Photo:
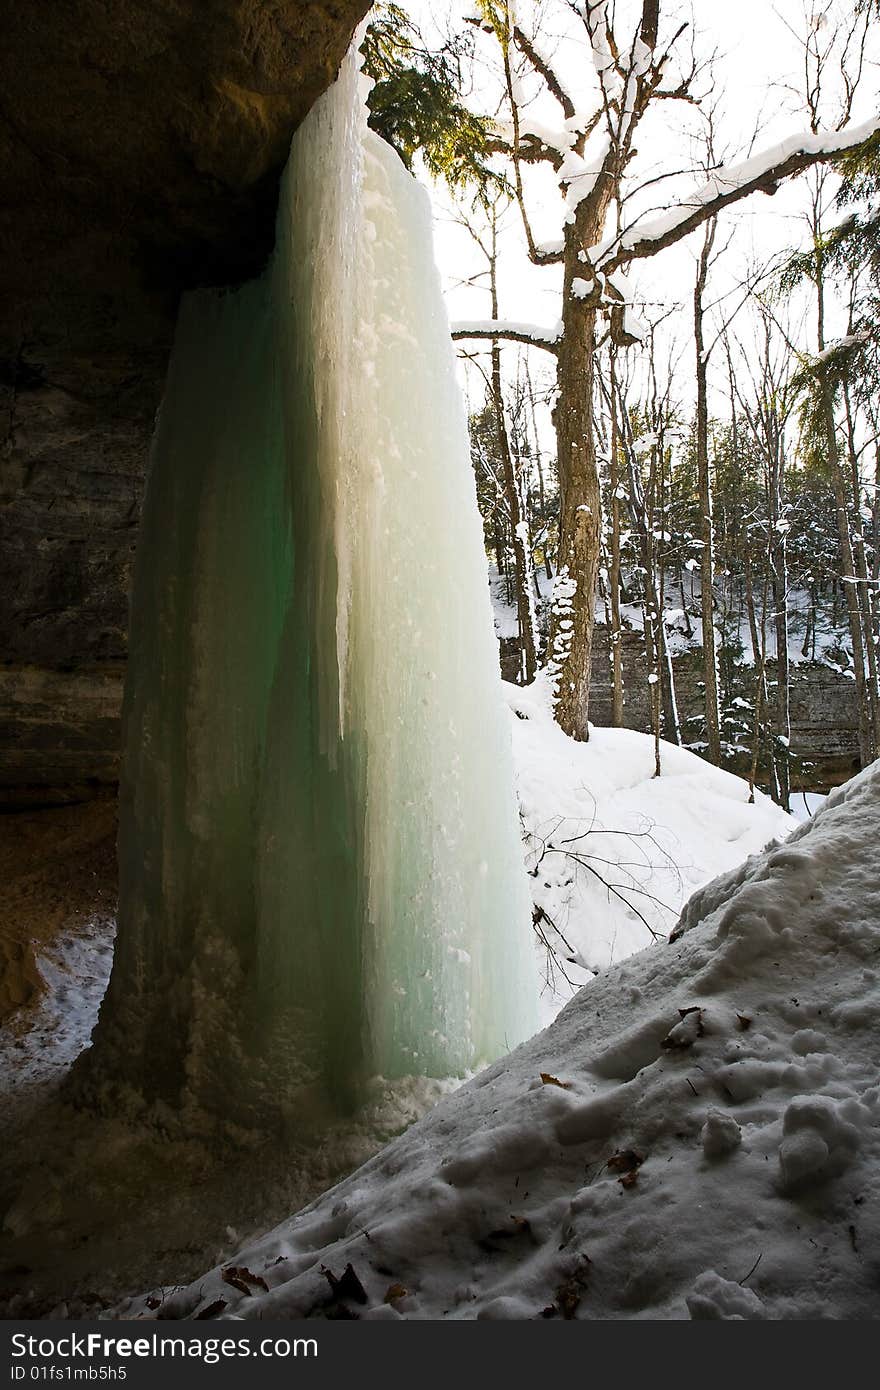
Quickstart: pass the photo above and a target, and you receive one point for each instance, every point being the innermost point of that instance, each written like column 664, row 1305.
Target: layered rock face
column 140, row 151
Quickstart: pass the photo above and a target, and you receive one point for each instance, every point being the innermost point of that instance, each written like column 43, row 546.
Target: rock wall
column 140, row 150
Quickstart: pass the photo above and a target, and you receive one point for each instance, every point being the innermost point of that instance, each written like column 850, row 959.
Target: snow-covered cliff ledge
column 696, row 1134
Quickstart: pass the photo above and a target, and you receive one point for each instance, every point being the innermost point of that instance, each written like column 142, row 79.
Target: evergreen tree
column 416, row 102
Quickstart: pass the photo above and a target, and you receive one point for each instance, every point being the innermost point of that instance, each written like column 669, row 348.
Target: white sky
column 757, row 57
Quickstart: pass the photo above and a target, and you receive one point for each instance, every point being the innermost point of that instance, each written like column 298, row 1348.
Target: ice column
column 321, row 875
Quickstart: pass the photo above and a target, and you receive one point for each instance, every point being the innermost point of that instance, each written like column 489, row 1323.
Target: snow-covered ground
column 612, row 851
column 611, row 854
column 806, row 804
column 506, row 622
column 698, row 1134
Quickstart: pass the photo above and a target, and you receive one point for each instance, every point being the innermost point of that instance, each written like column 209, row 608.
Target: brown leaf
column 237, row 1284
column 242, row 1279
column 629, row 1179
column 394, row 1292
column 212, row 1309
column 348, row 1286
column 568, row 1295
column 568, row 1302
column 743, row 1022
column 568, row 1298
column 549, row 1080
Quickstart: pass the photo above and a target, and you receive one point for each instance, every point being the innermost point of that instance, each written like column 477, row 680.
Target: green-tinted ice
column 320, row 867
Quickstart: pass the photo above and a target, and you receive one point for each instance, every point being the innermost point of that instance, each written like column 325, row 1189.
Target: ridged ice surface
column 321, row 874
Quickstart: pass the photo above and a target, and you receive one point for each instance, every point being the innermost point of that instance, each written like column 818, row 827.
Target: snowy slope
column 704, row 1140
column 612, row 851
column 59, row 1164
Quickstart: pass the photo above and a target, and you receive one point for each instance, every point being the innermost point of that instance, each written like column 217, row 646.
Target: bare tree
column 707, row 531
column 766, row 398
column 591, row 156
column 511, row 478
column 835, row 43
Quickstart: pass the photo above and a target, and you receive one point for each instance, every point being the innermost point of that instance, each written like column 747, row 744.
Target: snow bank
column 613, row 851
column 696, row 1135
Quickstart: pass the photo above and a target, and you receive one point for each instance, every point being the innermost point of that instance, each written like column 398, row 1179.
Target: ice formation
column 321, row 874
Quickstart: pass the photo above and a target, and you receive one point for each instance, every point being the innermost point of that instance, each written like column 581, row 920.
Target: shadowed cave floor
column 94, row 1207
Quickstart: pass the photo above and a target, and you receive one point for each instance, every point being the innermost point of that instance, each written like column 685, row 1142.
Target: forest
column 440, row 669
column 735, row 420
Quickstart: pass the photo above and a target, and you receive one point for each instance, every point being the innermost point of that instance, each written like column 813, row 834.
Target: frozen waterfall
column 321, row 875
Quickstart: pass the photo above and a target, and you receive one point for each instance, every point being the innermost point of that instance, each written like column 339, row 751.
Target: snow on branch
column 529, row 333
column 761, row 173
column 842, row 345
column 601, row 37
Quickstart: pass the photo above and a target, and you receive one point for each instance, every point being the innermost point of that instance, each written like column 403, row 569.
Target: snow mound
column 612, row 851
column 696, row 1134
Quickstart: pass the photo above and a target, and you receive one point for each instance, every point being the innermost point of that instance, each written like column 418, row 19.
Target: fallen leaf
column 394, row 1292
column 568, row 1297
column 212, row 1309
column 242, row 1279
column 549, row 1080
column 348, row 1286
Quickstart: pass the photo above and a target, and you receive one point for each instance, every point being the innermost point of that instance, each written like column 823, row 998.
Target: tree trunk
column 673, row 723
column 854, row 618
column 779, row 589
column 580, row 510
column 579, row 522
column 522, row 555
column 617, row 693
column 710, row 669
column 841, row 501
column 862, row 587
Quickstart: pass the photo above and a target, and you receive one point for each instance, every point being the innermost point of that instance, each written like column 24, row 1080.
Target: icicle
column 321, row 871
